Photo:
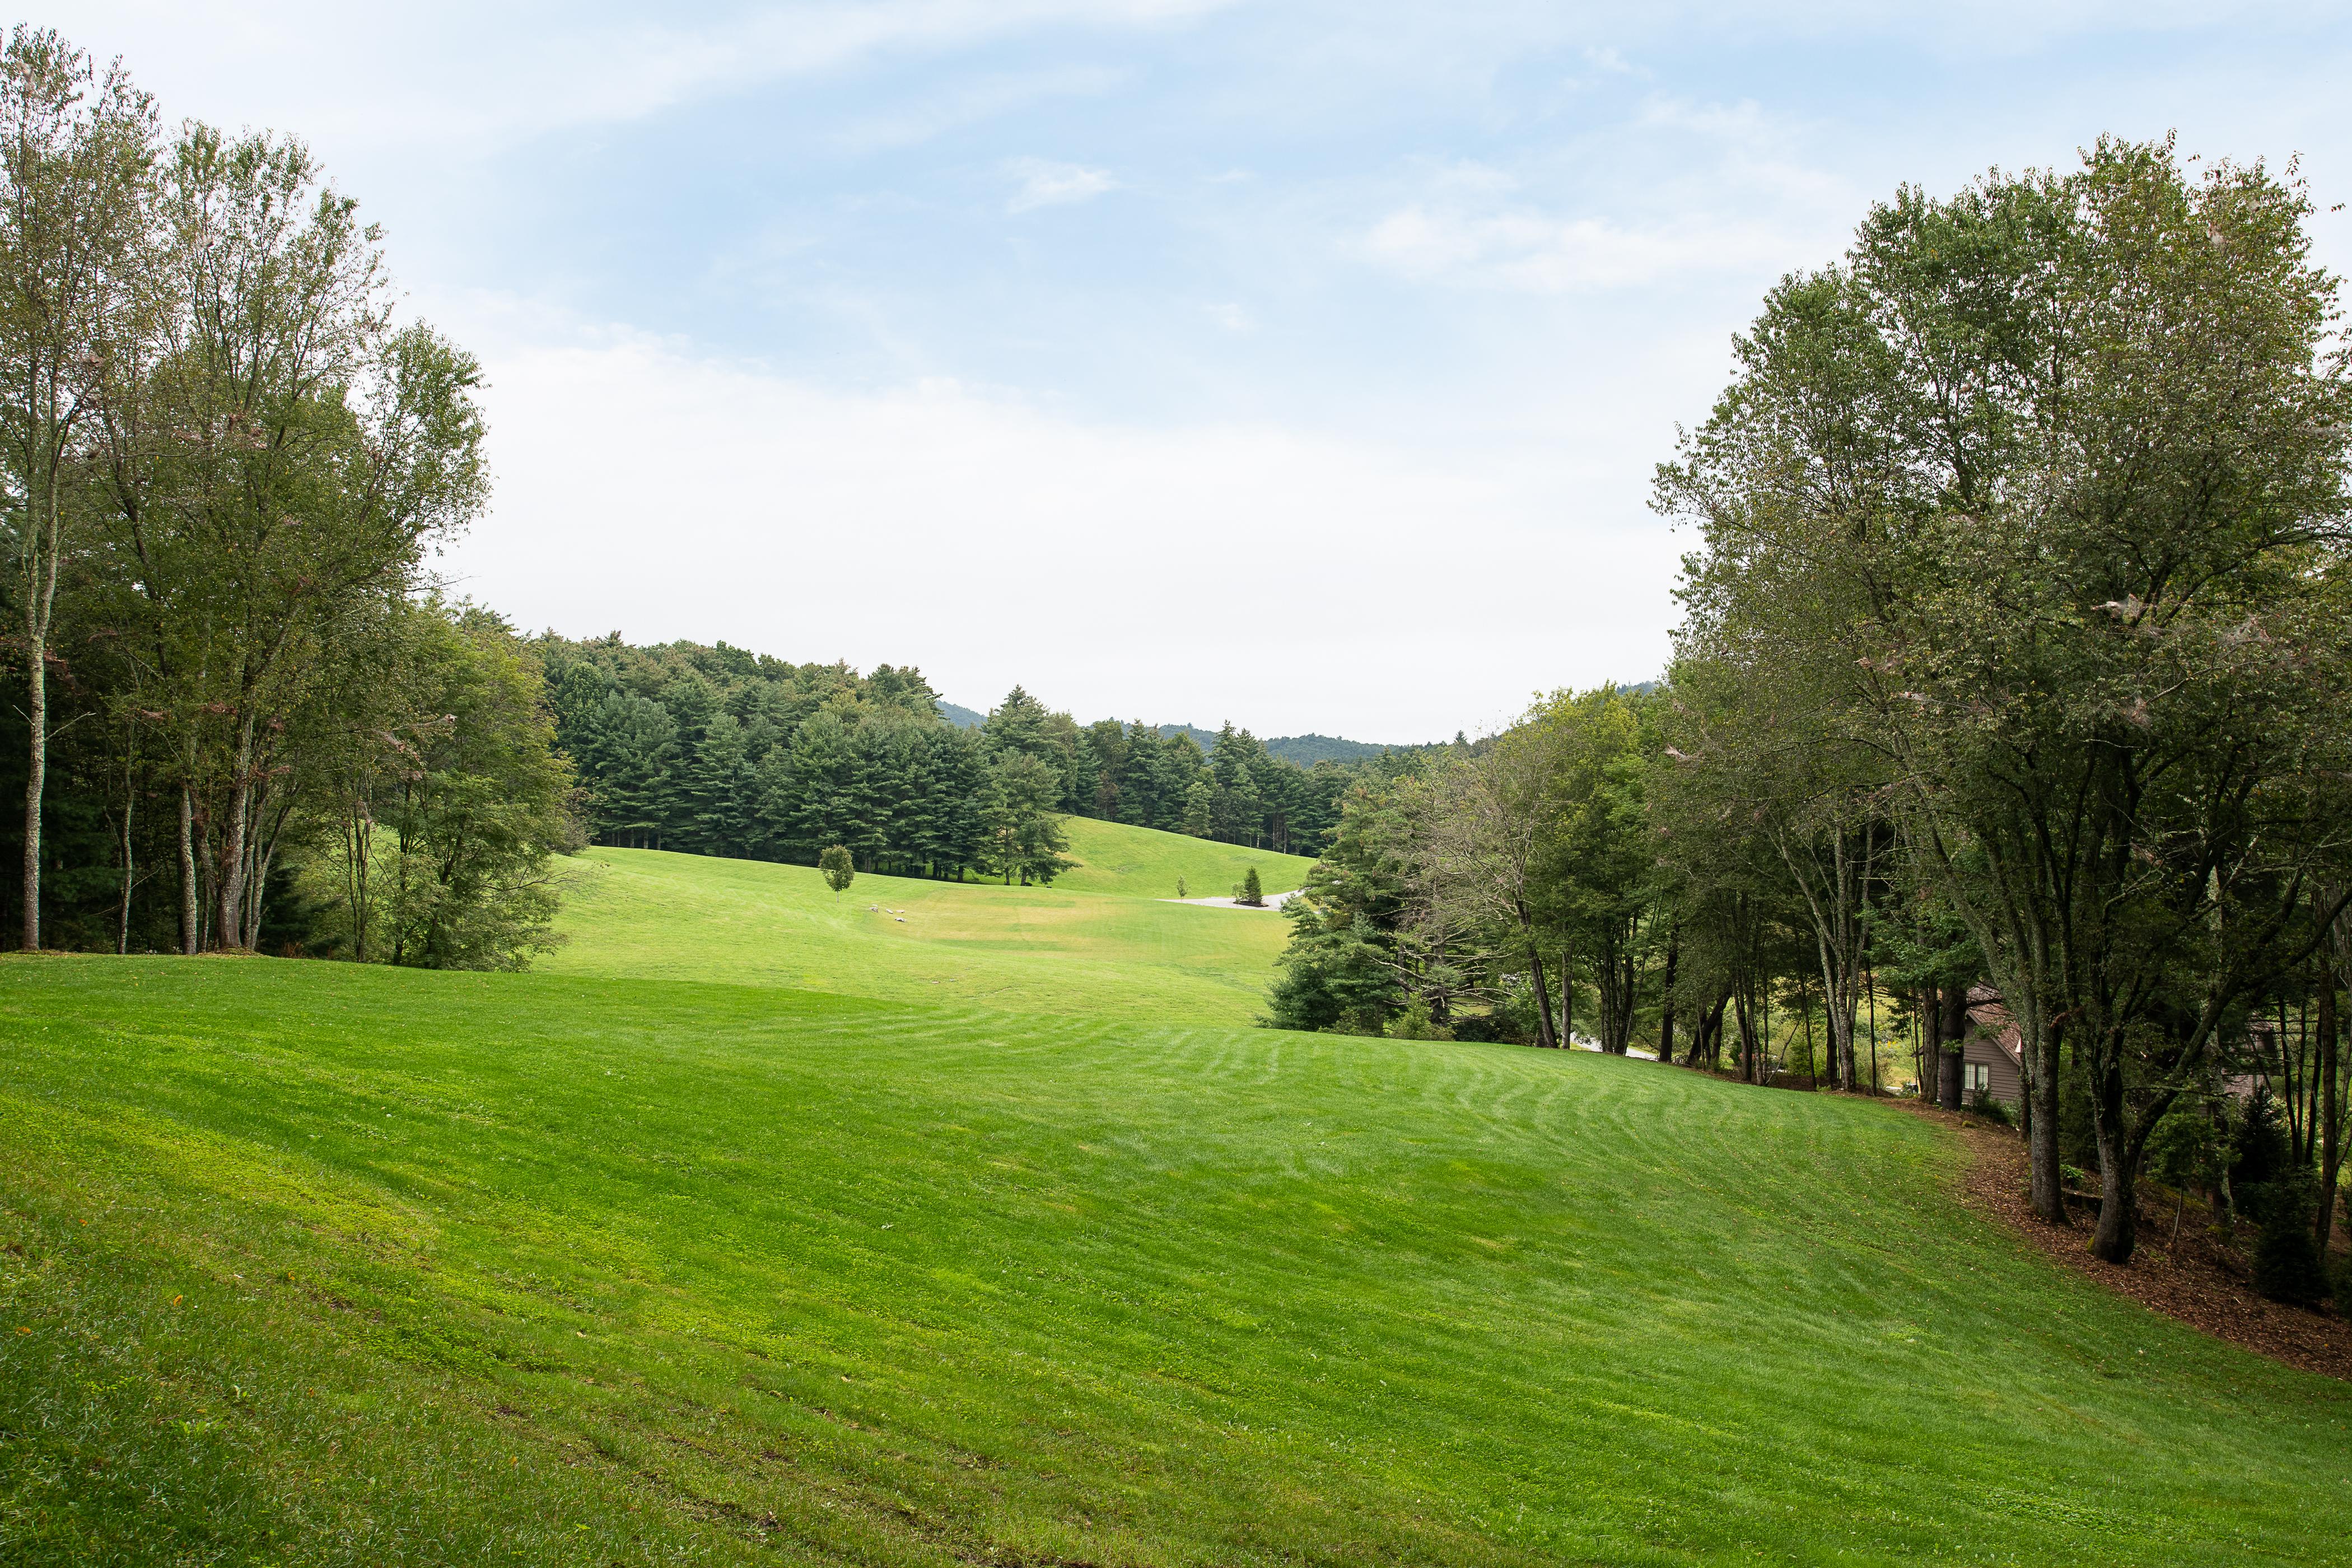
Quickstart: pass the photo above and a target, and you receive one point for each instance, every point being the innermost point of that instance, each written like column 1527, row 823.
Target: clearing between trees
column 1100, row 939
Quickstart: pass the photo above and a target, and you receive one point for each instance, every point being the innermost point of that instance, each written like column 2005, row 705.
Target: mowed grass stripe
column 926, row 1284
column 1073, row 948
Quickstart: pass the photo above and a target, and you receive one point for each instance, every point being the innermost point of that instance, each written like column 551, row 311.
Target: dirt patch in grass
column 2201, row 1282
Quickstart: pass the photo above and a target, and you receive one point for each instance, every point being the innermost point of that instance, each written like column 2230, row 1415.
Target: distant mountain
column 1305, row 750
column 1309, row 750
column 1204, row 738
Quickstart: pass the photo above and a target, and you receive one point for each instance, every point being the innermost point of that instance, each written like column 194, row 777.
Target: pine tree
column 1200, row 809
column 722, row 792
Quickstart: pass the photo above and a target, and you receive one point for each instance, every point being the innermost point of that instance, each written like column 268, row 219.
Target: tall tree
column 76, row 151
column 2046, row 491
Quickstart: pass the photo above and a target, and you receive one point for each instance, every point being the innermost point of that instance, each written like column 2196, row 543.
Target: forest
column 2014, row 656
column 714, row 751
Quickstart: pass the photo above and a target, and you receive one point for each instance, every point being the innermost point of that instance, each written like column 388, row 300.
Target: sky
column 1304, row 365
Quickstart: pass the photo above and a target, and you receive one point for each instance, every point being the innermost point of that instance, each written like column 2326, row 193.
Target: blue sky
column 1299, row 365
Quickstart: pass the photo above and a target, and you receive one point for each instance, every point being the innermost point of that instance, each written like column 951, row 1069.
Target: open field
column 1142, row 863
column 1102, row 942
column 329, row 1264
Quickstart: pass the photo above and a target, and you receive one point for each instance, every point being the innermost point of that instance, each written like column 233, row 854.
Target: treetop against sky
column 1137, row 349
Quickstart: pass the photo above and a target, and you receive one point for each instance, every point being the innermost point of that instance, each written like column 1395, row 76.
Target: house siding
column 2006, row 1084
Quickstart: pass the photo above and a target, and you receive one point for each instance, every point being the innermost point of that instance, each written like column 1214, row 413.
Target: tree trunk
column 191, row 933
column 2118, row 1231
column 1567, row 999
column 2043, row 1055
column 40, row 595
column 1666, row 1007
column 122, row 912
column 1952, row 1027
column 233, row 841
column 1544, row 1037
column 2331, row 1140
column 36, row 770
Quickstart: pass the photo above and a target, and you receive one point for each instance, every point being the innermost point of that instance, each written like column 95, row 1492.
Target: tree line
column 2014, row 654
column 716, row 751
column 244, row 716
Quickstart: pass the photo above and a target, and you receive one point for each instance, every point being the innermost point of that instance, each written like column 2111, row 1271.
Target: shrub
column 1991, row 1110
column 1478, row 1027
column 2260, row 1154
column 1251, row 891
column 2286, row 1260
column 1415, row 1023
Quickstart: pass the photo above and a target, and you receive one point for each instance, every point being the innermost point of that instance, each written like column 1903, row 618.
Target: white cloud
column 1156, row 572
column 461, row 76
column 1044, row 184
column 1731, row 196
column 1526, row 250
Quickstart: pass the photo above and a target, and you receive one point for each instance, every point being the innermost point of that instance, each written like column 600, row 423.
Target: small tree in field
column 1253, row 891
column 838, row 871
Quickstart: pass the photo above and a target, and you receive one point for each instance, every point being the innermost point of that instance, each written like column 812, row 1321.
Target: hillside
column 1101, row 939
column 311, row 1263
column 1141, row 862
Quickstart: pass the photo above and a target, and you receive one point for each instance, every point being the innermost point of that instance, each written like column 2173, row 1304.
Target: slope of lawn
column 1059, row 948
column 309, row 1263
column 1142, row 862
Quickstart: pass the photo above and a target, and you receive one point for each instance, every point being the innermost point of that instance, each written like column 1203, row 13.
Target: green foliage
column 2185, row 1150
column 2287, row 1265
column 1251, row 891
column 2261, row 1161
column 429, row 841
column 1415, row 1023
column 1983, row 1104
column 834, row 866
column 2037, row 499
column 713, row 750
column 1023, row 836
column 585, row 1271
column 1340, row 969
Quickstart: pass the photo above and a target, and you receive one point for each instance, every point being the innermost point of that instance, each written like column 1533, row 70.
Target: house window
column 1980, row 1077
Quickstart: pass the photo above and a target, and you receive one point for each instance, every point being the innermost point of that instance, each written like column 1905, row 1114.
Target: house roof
column 1988, row 1018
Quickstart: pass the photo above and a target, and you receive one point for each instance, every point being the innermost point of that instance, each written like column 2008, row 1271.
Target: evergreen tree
column 1025, row 836
column 723, row 791
column 1200, row 817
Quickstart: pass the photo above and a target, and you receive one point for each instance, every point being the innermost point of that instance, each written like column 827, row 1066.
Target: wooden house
column 1992, row 1058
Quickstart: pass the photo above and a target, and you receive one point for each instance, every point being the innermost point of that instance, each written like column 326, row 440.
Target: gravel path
column 1273, row 902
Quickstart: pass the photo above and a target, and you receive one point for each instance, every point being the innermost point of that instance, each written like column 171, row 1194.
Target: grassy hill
column 1139, row 862
column 311, row 1263
column 1102, row 939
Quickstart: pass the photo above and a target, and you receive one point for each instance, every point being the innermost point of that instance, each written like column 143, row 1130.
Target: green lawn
column 311, row 1263
column 1142, row 863
column 1102, row 941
